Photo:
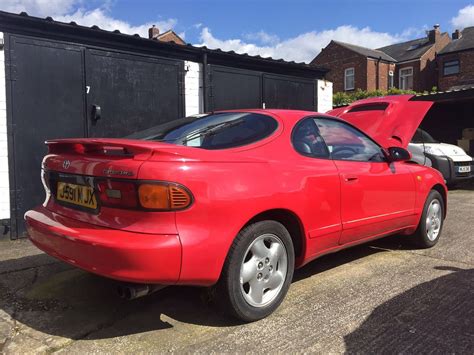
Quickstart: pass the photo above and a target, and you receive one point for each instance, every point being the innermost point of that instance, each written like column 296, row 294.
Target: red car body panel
column 337, row 203
column 393, row 126
column 115, row 253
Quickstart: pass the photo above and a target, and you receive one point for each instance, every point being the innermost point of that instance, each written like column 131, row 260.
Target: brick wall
column 171, row 37
column 4, row 180
column 193, row 88
column 428, row 70
column 379, row 82
column 466, row 70
column 337, row 58
column 371, row 74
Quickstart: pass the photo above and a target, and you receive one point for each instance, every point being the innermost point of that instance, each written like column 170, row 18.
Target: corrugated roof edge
column 428, row 95
column 445, row 92
column 7, row 22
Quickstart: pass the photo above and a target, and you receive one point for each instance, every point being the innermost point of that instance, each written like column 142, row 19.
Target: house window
column 406, row 78
column 451, row 67
column 390, row 79
column 349, row 79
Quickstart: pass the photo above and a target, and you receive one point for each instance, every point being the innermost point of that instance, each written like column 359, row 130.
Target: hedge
column 345, row 98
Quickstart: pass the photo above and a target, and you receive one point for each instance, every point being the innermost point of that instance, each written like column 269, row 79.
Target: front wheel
column 257, row 272
column 431, row 223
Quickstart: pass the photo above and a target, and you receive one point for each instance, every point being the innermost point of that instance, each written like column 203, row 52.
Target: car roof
column 285, row 115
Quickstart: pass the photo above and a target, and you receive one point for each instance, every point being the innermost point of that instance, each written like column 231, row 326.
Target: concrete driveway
column 381, row 297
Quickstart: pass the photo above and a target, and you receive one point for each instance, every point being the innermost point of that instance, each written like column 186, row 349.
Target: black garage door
column 289, row 93
column 234, row 88
column 47, row 101
column 54, row 88
column 133, row 92
column 237, row 88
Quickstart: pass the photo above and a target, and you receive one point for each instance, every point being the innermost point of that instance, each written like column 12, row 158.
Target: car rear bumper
column 117, row 254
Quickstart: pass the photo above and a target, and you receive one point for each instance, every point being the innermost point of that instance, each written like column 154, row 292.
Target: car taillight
column 163, row 196
column 120, row 194
column 159, row 196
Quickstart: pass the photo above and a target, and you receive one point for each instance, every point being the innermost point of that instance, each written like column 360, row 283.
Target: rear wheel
column 257, row 272
column 431, row 223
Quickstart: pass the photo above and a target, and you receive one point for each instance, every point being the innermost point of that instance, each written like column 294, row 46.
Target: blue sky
column 293, row 30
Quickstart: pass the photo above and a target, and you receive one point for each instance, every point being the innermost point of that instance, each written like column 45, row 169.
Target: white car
column 451, row 160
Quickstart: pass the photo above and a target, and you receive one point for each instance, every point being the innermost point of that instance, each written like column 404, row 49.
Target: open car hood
column 390, row 120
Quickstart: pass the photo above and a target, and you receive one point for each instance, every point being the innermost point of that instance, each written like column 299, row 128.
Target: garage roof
column 456, row 94
column 94, row 36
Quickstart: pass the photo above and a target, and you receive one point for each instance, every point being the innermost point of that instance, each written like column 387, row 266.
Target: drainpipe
column 377, row 74
column 205, row 100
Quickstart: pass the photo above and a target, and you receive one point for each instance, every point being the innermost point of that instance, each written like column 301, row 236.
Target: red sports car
column 238, row 199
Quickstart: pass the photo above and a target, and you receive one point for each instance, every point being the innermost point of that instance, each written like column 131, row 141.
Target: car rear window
column 212, row 131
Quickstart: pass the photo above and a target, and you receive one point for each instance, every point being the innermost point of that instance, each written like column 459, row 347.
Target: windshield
column 212, row 131
column 422, row 136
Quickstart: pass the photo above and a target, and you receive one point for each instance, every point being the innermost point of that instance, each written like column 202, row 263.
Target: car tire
column 431, row 223
column 257, row 272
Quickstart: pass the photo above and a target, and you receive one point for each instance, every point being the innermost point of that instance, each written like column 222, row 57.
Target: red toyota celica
column 238, row 199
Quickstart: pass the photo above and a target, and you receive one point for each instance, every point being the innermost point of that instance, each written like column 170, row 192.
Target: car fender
column 427, row 179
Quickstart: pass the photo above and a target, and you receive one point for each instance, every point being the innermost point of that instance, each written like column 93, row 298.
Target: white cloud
column 101, row 18
column 73, row 10
column 304, row 47
column 39, row 7
column 262, row 37
column 464, row 18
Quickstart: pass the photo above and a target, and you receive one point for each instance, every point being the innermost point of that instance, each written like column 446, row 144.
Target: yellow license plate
column 79, row 195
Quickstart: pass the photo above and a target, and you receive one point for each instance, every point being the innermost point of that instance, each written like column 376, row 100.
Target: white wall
column 193, row 88
column 4, row 182
column 324, row 103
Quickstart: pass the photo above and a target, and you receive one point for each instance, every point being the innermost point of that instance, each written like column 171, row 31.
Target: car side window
column 307, row 140
column 345, row 142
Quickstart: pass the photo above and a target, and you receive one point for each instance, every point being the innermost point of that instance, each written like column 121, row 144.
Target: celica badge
column 111, row 171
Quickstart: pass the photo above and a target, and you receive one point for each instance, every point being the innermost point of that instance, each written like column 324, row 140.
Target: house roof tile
column 465, row 42
column 371, row 53
column 409, row 50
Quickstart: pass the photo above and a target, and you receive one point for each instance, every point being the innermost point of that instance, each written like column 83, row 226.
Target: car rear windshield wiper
column 212, row 129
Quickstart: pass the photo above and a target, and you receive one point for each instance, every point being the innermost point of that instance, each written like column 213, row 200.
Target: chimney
column 456, row 34
column 434, row 34
column 153, row 32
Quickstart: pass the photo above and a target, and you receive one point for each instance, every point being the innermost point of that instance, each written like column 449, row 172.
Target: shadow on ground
column 463, row 185
column 59, row 300
column 433, row 317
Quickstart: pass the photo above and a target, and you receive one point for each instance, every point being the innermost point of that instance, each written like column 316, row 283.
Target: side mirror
column 398, row 154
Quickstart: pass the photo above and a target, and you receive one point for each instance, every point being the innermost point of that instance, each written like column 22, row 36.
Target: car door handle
column 350, row 178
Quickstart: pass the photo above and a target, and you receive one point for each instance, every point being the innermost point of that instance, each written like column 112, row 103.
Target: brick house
column 456, row 61
column 168, row 36
column 409, row 65
column 353, row 67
